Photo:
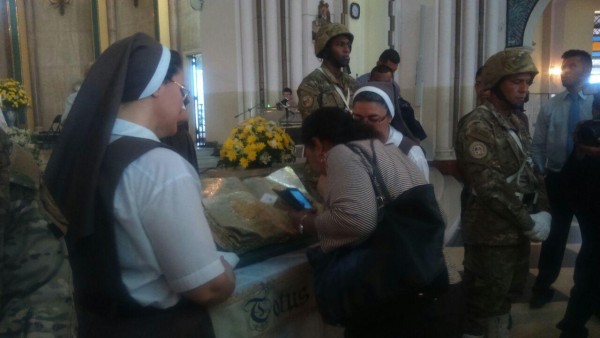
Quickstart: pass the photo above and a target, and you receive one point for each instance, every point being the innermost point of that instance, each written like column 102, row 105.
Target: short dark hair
column 326, row 52
column 286, row 90
column 334, row 125
column 584, row 56
column 381, row 69
column 175, row 65
column 389, row 55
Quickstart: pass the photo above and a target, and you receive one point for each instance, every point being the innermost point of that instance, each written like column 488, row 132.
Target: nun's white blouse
column 164, row 243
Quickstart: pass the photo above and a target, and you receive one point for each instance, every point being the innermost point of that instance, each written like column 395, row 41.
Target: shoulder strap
column 383, row 195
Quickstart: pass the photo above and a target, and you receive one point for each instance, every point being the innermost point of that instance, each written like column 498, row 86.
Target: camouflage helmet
column 504, row 63
column 328, row 32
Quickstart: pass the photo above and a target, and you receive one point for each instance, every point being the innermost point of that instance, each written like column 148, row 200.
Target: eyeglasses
column 185, row 93
column 369, row 119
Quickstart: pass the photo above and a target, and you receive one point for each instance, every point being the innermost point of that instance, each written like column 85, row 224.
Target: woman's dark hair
column 175, row 65
column 334, row 125
column 372, row 97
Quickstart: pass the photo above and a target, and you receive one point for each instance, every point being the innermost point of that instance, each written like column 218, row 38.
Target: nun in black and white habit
column 143, row 258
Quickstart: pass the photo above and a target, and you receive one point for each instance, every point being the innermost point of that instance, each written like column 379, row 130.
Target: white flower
column 265, row 158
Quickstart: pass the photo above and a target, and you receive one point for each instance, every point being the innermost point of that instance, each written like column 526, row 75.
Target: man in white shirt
column 551, row 146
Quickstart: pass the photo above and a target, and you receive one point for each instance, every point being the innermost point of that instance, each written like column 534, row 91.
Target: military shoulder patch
column 307, row 101
column 478, row 150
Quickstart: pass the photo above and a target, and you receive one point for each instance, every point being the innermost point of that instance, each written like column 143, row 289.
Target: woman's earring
column 322, row 158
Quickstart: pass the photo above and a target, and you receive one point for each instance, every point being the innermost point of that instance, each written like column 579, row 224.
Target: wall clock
column 354, row 10
column 197, row 4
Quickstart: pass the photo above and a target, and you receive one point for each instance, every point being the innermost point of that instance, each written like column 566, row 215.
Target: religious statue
column 323, row 18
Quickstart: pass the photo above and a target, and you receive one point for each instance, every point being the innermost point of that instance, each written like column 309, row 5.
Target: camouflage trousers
column 36, row 299
column 492, row 275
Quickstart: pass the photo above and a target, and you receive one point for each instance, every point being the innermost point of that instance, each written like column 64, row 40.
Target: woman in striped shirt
column 350, row 213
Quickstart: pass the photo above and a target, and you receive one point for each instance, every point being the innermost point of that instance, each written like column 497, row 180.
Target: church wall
column 131, row 19
column 417, row 66
column 4, row 41
column 579, row 21
column 370, row 35
column 63, row 47
column 220, row 48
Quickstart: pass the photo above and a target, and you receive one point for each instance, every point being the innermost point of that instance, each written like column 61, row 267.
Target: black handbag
column 399, row 263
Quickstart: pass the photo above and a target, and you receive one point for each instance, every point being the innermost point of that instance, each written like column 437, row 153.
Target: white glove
column 230, row 257
column 541, row 228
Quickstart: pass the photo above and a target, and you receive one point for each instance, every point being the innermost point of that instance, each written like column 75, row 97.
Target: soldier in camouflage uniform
column 507, row 206
column 35, row 283
column 328, row 85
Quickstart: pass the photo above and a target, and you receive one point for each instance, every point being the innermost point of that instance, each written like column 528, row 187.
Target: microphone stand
column 246, row 111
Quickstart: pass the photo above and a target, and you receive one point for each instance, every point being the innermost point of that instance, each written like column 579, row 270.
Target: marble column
column 173, row 25
column 309, row 60
column 469, row 55
column 33, row 71
column 295, row 43
column 272, row 50
column 554, row 40
column 443, row 140
column 249, row 68
column 111, row 17
column 492, row 28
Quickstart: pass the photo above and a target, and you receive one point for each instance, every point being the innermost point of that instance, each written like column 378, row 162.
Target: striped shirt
column 350, row 214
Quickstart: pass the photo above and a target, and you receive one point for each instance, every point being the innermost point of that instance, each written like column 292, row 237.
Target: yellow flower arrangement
column 257, row 143
column 14, row 96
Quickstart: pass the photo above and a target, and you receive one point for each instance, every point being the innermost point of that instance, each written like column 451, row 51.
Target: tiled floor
column 540, row 323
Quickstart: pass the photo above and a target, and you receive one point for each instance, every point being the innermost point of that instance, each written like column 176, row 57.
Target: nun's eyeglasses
column 185, row 93
column 369, row 119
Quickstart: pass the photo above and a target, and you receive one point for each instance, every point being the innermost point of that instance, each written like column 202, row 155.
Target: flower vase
column 21, row 119
column 11, row 118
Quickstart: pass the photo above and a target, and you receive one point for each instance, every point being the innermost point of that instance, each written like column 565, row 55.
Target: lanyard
column 338, row 89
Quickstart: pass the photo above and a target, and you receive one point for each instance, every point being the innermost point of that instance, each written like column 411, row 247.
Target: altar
column 273, row 298
column 274, row 282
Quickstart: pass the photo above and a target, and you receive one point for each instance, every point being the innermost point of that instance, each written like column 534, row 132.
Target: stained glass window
column 595, row 77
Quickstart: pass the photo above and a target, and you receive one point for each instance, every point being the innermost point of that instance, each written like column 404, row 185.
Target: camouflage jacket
column 36, row 294
column 318, row 89
column 499, row 171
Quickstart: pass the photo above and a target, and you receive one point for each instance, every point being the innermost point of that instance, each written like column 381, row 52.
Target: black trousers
column 585, row 294
column 441, row 317
column 553, row 248
column 184, row 320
